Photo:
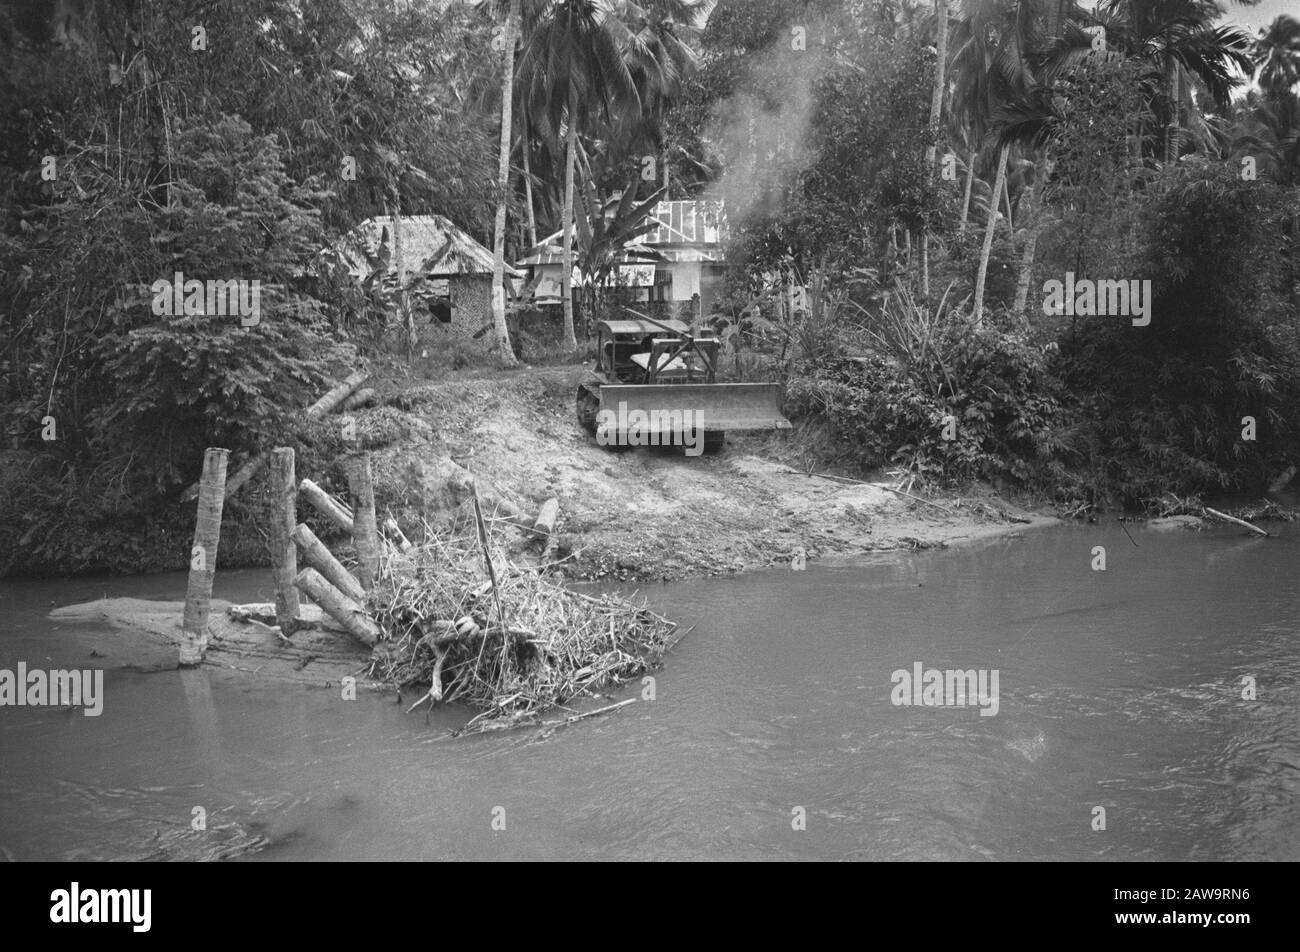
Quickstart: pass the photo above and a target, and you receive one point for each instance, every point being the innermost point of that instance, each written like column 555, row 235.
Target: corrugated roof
column 701, row 226
column 689, row 223
column 431, row 245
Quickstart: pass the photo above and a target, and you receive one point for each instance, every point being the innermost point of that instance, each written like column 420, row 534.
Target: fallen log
column 1236, row 521
column 441, row 633
column 544, row 524
column 321, row 559
column 598, row 711
column 359, row 399
column 326, row 505
column 324, row 405
column 544, row 527
column 339, row 607
column 336, row 396
column 262, row 613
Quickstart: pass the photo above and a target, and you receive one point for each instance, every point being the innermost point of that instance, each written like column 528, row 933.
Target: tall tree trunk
column 505, row 351
column 1006, row 197
column 1026, row 271
column 1171, row 90
column 570, row 159
column 965, row 201
column 936, row 94
column 1057, row 12
column 1031, row 215
column 528, row 189
column 936, row 111
column 983, row 272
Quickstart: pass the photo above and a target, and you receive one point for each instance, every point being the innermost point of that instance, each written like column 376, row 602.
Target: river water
column 1120, row 689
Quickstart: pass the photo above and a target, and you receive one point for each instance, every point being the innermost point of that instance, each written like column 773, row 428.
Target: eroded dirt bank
column 645, row 513
column 640, row 514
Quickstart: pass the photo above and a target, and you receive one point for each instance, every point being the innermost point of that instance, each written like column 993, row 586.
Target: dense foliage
column 1125, row 164
column 898, row 198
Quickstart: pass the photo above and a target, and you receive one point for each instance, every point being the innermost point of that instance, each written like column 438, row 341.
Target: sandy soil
column 645, row 513
column 318, row 655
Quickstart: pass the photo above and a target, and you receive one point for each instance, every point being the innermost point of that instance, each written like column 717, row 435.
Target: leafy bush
column 890, row 406
column 1168, row 400
column 135, row 397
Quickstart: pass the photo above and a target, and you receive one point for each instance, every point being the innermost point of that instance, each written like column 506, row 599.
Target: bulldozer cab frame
column 647, row 351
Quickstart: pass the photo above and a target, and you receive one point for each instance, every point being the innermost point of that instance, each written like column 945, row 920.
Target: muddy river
column 773, row 733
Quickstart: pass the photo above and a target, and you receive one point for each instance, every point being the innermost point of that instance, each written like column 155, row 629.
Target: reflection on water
column 1120, row 689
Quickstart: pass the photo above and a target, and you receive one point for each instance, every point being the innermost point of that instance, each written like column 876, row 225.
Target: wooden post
column 326, row 505
column 365, row 535
column 338, row 606
column 284, row 555
column 203, row 556
column 315, row 552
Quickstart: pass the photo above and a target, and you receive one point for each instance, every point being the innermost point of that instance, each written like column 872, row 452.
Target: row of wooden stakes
column 324, row 580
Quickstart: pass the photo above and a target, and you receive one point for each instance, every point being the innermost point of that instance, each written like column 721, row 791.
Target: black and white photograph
column 641, row 431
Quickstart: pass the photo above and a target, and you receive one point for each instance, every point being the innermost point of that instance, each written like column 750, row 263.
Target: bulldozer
column 655, row 383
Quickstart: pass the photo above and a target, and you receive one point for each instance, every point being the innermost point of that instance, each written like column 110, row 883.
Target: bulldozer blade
column 676, row 407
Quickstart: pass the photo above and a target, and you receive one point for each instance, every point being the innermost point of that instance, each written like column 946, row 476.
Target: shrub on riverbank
column 941, row 397
column 1205, row 398
column 109, row 403
column 1167, row 403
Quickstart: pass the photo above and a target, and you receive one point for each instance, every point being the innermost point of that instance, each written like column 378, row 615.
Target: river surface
column 1120, row 689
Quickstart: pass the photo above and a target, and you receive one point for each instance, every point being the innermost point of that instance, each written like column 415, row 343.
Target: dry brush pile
column 459, row 616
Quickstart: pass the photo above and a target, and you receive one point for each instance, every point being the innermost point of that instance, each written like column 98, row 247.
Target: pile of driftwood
column 449, row 612
column 502, row 637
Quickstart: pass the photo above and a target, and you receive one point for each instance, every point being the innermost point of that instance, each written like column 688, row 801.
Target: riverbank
column 649, row 513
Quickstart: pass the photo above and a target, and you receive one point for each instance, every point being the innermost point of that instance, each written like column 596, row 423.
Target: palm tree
column 654, row 36
column 1178, row 37
column 991, row 66
column 574, row 73
column 1277, row 56
column 1271, row 134
column 1029, row 122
